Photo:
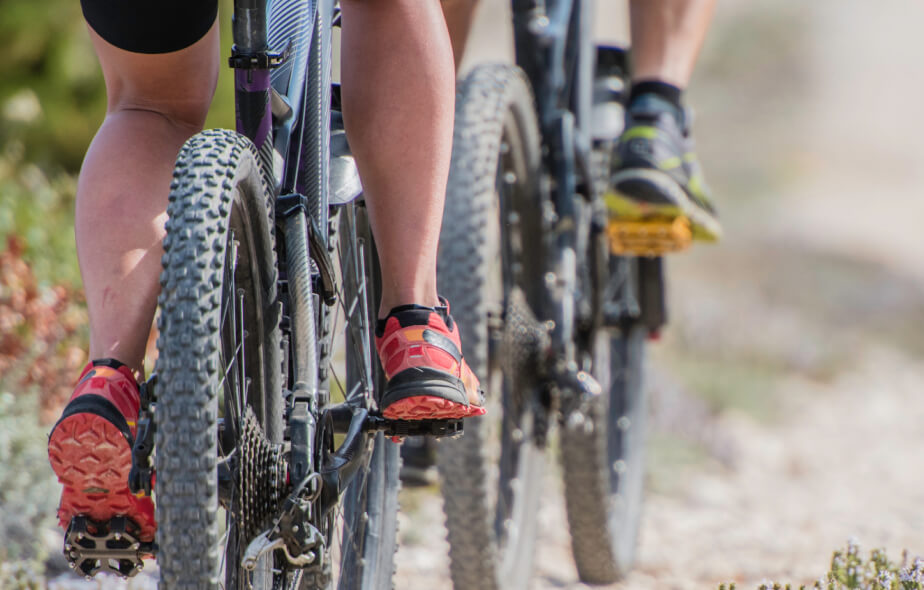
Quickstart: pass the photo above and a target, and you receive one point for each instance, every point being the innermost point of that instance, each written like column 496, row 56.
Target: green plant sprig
column 850, row 571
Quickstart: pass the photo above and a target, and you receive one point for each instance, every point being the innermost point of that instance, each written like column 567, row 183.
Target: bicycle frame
column 282, row 91
column 281, row 57
column 553, row 45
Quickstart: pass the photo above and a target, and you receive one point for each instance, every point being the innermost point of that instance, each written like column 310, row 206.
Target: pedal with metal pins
column 91, row 547
column 402, row 428
column 652, row 237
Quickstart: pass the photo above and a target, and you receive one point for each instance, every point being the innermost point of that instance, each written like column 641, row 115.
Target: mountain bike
column 268, row 460
column 555, row 324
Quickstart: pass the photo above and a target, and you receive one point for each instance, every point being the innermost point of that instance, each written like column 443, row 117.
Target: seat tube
column 249, row 26
column 253, row 114
column 582, row 37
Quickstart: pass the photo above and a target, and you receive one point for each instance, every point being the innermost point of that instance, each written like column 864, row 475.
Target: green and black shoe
column 658, row 202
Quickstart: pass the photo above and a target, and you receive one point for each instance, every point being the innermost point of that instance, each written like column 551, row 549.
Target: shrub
column 850, row 571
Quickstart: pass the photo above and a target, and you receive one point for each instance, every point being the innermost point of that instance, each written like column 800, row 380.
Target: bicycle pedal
column 434, row 428
column 91, row 547
column 652, row 237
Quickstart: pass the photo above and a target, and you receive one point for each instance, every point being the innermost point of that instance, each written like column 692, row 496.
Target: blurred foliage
column 222, row 112
column 51, row 95
column 28, row 491
column 42, row 333
column 725, row 384
column 52, row 100
column 37, row 212
column 18, row 575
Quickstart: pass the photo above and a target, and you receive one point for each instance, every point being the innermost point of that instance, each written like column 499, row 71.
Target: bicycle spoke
column 236, row 409
column 242, row 384
column 355, row 268
column 338, row 382
column 344, row 529
column 224, row 541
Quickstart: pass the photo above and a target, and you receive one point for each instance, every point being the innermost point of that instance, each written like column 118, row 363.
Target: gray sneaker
column 658, row 201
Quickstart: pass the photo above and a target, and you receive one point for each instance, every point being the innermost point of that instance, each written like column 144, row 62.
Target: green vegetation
column 21, row 576
column 671, row 457
column 850, row 571
column 724, row 383
column 52, row 100
column 51, row 91
column 38, row 209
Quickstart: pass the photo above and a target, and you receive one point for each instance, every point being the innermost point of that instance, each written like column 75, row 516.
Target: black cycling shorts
column 150, row 26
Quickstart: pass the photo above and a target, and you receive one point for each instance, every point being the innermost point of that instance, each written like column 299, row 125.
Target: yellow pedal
column 651, row 237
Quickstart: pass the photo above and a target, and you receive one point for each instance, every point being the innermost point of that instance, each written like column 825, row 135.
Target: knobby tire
column 490, row 503
column 219, row 330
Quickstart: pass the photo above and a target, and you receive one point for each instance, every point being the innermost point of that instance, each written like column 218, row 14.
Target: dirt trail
column 795, row 341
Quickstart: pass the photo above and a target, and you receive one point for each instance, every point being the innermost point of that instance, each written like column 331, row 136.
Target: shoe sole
column 92, row 460
column 430, row 407
column 665, row 221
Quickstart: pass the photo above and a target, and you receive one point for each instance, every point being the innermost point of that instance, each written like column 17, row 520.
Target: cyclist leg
column 459, row 15
column 657, row 174
column 155, row 102
column 666, row 38
column 398, row 89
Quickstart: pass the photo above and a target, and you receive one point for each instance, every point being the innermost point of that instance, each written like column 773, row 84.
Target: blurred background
column 786, row 392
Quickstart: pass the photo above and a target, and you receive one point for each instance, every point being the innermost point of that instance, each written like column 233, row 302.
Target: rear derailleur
column 299, row 540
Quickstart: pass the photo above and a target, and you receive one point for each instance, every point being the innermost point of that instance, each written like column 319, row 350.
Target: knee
column 178, row 85
column 182, row 109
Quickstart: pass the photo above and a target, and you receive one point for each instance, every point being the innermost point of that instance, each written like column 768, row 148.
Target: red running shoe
column 90, row 449
column 427, row 377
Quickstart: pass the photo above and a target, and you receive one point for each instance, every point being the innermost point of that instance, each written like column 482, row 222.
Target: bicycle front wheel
column 218, row 414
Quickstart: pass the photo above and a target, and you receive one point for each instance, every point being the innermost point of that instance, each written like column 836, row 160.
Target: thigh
column 150, row 62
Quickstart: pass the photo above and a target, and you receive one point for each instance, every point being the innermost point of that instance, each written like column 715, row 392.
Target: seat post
column 249, row 26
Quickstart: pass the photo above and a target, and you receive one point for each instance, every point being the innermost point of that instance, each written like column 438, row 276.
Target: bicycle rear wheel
column 603, row 459
column 219, row 363
column 491, row 477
